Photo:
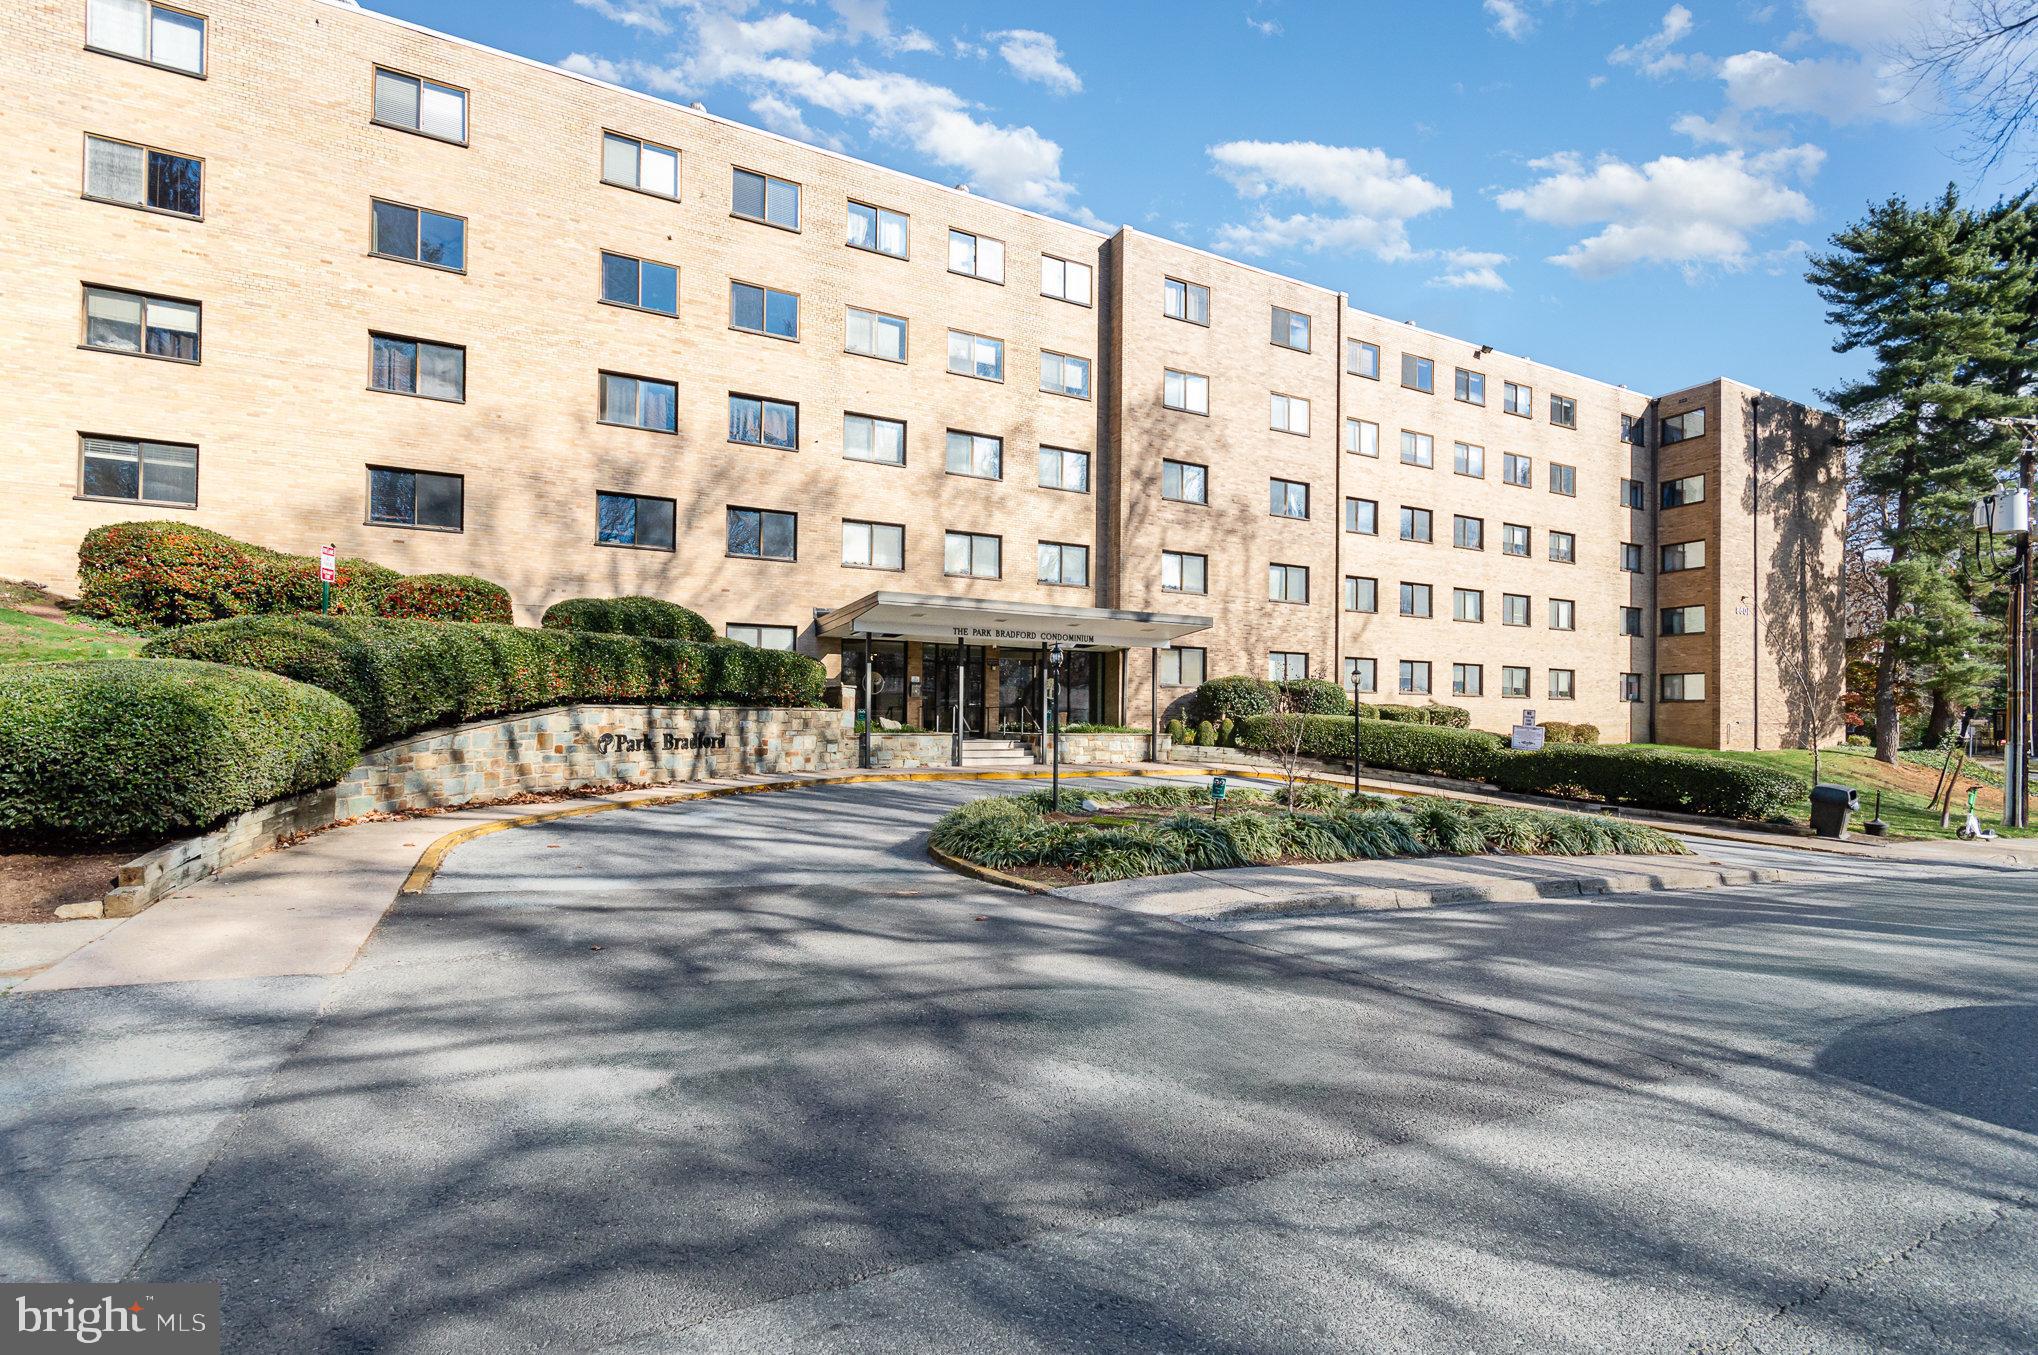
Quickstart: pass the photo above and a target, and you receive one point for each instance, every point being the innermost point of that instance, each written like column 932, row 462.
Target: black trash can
column 1830, row 807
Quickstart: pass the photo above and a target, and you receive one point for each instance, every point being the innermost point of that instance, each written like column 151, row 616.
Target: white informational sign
column 328, row 571
column 1526, row 738
column 1528, row 718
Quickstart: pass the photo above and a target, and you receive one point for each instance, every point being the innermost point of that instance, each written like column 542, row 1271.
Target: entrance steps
column 996, row 754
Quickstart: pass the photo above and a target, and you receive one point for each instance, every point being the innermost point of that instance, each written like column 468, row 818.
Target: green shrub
column 404, row 675
column 1206, row 733
column 1227, row 730
column 1446, row 717
column 446, row 597
column 1653, row 778
column 1178, row 731
column 1561, row 731
column 149, row 575
column 108, row 751
column 1464, row 753
column 1400, row 714
column 653, row 617
column 1314, row 696
column 1101, row 729
column 1237, row 697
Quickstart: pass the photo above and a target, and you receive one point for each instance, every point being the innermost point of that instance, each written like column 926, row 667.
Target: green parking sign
column 1217, row 789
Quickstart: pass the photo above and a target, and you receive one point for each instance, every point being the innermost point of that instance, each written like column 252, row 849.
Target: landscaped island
column 1161, row 830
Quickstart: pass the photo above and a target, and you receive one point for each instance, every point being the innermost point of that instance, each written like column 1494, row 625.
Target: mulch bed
column 34, row 885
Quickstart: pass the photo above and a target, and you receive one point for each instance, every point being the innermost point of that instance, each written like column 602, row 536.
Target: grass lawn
column 1905, row 789
column 36, row 639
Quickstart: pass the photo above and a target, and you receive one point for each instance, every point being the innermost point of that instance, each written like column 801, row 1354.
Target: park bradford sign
column 983, row 621
column 648, row 742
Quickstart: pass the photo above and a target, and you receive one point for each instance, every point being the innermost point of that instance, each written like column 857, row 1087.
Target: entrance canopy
column 975, row 621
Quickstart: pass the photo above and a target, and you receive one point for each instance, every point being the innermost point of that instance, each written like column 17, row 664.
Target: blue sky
column 1622, row 188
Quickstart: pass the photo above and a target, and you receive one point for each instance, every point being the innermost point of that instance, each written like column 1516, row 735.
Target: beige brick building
column 303, row 274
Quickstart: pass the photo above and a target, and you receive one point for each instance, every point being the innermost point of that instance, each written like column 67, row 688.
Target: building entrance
column 944, row 666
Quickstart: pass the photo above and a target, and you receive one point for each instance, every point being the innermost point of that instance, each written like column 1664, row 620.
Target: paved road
column 751, row 1075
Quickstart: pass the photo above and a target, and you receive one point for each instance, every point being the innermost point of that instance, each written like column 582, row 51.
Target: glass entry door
column 938, row 664
column 1020, row 692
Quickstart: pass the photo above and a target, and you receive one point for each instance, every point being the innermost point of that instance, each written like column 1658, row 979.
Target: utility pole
column 2017, row 765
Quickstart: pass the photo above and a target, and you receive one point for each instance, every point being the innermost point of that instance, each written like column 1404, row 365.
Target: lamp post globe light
column 1057, row 654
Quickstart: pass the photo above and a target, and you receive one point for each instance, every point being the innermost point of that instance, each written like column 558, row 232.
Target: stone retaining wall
column 1108, row 750
column 901, row 752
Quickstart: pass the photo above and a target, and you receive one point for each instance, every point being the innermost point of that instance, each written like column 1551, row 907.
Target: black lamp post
column 1057, row 654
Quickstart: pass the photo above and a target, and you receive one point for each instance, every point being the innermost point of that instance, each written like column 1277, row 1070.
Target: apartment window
column 1468, row 604
column 1630, row 686
column 1362, row 516
column 1061, row 374
column 1362, row 437
column 1063, row 469
column 1287, row 665
column 1361, row 675
column 135, row 471
column 423, row 106
column 1185, row 482
column 761, row 637
column 1183, row 573
column 141, row 176
column 1291, row 329
column 155, row 34
column 1362, row 359
column 1287, row 498
column 1287, row 583
column 1471, row 387
column 764, row 310
column 973, row 555
column 873, row 545
column 976, row 455
column 1514, row 681
column 758, row 422
column 435, row 371
column 416, row 498
column 1689, row 490
column 642, row 165
column 1563, row 480
column 1632, row 431
column 1634, row 494
column 1185, row 391
column 1289, row 414
column 1630, row 557
column 1683, row 555
column 1065, row 280
column 1468, row 679
column 1417, row 449
column 877, row 229
column 1563, row 411
column 647, row 286
column 1631, row 621
column 1563, row 547
column 1468, row 459
column 762, row 534
column 149, row 326
column 1683, row 686
column 1185, row 301
column 638, row 402
column 1415, row 599
column 1468, row 533
column 1683, row 621
column 974, row 355
column 1681, row 427
column 1417, row 373
column 417, row 236
column 1414, row 677
column 976, row 256
column 1415, row 524
column 1514, row 539
column 1563, row 614
column 865, row 438
column 1361, row 594
column 1060, row 563
column 762, row 197
column 876, row 335
column 1562, row 682
column 1516, row 469
column 1514, row 609
column 1517, row 399
column 633, row 520
column 1182, row 667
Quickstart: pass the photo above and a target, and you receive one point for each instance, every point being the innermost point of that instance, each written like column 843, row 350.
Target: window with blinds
column 139, row 176
column 138, row 472
column 436, row 371
column 142, row 31
column 418, row 105
column 643, row 165
column 131, row 322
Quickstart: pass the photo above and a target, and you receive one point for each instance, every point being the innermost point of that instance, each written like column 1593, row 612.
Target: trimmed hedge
column 447, row 597
column 1316, row 696
column 1237, row 697
column 1426, row 749
column 149, row 575
column 1651, row 778
column 1563, row 731
column 109, row 751
column 1435, row 713
column 404, row 675
column 653, row 617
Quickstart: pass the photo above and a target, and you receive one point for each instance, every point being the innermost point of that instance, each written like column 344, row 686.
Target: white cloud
column 1875, row 25
column 1266, row 28
column 647, row 15
column 1376, row 196
column 1653, row 55
column 913, row 40
column 1689, row 211
column 1838, row 89
column 1511, row 18
column 1036, row 56
column 1478, row 270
